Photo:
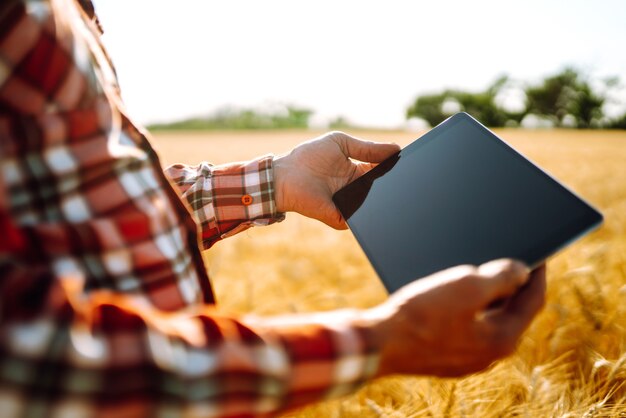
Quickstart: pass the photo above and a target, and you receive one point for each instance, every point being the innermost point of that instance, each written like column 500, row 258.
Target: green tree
column 481, row 105
column 297, row 117
column 563, row 94
column 429, row 108
column 618, row 123
column 230, row 118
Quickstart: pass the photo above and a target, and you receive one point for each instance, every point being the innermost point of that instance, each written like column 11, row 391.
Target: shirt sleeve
column 103, row 354
column 227, row 199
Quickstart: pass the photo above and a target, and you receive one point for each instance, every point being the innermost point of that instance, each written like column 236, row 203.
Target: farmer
column 105, row 305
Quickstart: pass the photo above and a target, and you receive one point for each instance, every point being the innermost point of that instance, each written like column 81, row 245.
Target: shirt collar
column 87, row 6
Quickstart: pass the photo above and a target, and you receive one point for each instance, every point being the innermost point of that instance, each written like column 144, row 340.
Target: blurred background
column 321, row 64
column 202, row 73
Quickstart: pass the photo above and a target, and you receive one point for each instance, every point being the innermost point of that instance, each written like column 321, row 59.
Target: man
column 106, row 309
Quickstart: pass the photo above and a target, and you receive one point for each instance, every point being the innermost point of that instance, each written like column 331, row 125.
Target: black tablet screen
column 459, row 195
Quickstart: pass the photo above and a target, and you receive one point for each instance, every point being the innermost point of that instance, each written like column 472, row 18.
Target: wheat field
column 570, row 363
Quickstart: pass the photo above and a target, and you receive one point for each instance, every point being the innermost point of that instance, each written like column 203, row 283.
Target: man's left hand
column 308, row 176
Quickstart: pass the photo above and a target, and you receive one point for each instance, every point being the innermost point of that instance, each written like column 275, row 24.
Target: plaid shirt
column 105, row 305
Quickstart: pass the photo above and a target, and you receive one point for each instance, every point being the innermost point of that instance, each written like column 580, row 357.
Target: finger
column 330, row 215
column 362, row 168
column 336, row 221
column 531, row 298
column 524, row 305
column 373, row 152
column 502, row 278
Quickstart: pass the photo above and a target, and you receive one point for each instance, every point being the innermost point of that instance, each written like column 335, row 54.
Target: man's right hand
column 445, row 324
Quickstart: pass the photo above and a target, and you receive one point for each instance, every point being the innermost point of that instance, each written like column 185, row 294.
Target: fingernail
column 492, row 267
column 522, row 265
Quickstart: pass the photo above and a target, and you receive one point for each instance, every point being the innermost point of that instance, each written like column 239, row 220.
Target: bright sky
column 365, row 60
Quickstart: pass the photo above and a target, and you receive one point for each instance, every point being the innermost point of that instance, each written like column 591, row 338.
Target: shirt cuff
column 244, row 196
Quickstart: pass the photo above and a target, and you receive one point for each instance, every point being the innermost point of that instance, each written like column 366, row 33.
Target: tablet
column 459, row 195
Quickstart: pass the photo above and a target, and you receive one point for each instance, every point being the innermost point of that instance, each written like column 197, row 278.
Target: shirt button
column 246, row 199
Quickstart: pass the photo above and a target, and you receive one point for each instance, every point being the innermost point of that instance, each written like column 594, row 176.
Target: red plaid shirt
column 105, row 305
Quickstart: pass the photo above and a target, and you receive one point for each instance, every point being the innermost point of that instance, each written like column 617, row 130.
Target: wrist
column 374, row 324
column 280, row 173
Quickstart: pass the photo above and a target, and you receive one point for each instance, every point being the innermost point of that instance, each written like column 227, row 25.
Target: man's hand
column 307, row 177
column 443, row 325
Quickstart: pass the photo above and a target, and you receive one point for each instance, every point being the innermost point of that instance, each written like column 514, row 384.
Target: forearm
column 113, row 354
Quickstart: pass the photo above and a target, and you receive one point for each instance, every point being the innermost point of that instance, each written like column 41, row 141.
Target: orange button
column 246, row 199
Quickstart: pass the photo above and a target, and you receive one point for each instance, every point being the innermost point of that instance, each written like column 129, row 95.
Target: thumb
column 502, row 278
column 368, row 151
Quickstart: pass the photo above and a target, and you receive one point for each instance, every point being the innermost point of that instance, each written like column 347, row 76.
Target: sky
column 360, row 59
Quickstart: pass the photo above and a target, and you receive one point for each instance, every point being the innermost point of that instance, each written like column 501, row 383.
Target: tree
column 481, row 105
column 563, row 94
column 429, row 108
column 285, row 117
column 566, row 98
column 619, row 123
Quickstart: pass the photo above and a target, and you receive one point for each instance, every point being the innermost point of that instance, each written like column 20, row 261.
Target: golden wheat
column 570, row 363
